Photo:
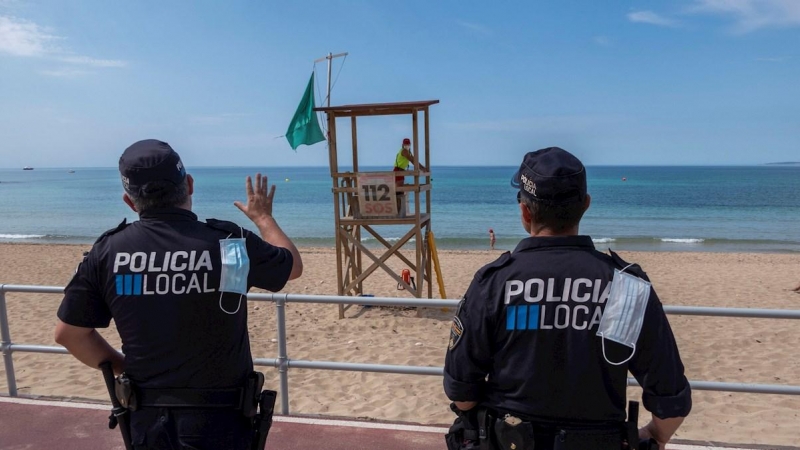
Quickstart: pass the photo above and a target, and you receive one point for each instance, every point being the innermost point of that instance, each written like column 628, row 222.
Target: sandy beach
column 714, row 349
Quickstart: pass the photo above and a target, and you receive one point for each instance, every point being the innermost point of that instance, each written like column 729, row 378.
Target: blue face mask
column 235, row 269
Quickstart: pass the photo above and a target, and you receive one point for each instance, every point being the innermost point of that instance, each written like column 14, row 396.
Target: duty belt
column 253, row 403
column 482, row 428
column 190, row 398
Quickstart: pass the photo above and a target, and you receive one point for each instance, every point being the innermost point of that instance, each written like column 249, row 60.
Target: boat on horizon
column 27, row 168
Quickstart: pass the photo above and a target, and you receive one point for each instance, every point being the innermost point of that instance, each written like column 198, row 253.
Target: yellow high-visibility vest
column 401, row 162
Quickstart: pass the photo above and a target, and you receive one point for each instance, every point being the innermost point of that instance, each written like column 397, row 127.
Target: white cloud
column 64, row 72
column 482, row 29
column 20, row 37
column 651, row 18
column 94, row 62
column 604, row 41
column 774, row 59
column 751, row 15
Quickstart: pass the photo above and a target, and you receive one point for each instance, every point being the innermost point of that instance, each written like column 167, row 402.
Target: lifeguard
column 401, row 161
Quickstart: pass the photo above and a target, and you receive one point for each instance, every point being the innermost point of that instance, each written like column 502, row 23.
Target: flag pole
column 329, row 57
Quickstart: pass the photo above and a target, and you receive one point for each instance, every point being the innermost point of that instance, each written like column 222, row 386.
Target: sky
column 670, row 82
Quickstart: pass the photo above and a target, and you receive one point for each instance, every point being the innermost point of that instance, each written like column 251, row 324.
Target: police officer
column 525, row 363
column 174, row 286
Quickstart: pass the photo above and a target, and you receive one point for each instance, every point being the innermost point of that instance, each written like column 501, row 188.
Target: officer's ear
column 526, row 218
column 190, row 183
column 129, row 202
column 587, row 202
column 526, row 213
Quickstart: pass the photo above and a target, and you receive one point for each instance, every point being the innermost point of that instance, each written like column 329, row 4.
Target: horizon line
column 787, row 163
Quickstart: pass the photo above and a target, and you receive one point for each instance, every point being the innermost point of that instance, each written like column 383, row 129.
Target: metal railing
column 283, row 363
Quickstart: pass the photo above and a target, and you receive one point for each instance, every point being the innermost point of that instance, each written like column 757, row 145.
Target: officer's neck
column 549, row 232
column 187, row 205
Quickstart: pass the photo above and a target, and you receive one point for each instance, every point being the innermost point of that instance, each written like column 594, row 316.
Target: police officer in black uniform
column 525, row 364
column 173, row 286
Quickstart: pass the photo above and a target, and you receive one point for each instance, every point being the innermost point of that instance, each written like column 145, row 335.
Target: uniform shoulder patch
column 456, row 332
column 117, row 229
column 226, row 226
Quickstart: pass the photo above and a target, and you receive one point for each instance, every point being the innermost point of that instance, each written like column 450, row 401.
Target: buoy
column 286, row 179
column 624, row 179
column 405, row 275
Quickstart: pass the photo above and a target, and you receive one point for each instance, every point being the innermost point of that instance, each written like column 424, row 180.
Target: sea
column 705, row 209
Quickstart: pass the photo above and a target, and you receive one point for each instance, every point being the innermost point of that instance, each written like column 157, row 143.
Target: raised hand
column 259, row 199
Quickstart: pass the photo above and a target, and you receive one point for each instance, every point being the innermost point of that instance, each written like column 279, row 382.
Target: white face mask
column 235, row 269
column 624, row 312
column 406, row 147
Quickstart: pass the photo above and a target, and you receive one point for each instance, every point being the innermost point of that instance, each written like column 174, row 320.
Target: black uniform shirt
column 524, row 339
column 159, row 279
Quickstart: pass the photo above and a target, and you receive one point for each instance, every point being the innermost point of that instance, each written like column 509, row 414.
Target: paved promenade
column 27, row 424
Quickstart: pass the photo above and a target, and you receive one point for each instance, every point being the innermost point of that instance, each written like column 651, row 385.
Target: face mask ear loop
column 603, row 345
column 625, row 268
column 225, row 310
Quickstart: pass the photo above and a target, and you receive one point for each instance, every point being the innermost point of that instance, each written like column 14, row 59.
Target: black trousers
column 189, row 429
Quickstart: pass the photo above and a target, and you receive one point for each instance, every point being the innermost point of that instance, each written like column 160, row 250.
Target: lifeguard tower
column 365, row 201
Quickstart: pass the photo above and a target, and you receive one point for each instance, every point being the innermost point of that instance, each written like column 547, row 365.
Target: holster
column 252, row 393
column 262, row 421
column 119, row 414
column 512, row 433
column 471, row 430
column 126, row 393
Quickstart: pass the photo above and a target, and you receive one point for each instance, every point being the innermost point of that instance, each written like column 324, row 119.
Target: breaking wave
column 683, row 240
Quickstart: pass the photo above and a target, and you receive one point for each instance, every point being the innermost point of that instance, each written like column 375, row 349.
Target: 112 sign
column 377, row 194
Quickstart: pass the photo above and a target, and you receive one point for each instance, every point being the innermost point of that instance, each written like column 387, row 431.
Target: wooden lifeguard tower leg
column 428, row 200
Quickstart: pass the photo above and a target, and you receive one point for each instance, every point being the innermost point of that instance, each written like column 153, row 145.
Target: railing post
column 283, row 359
column 5, row 344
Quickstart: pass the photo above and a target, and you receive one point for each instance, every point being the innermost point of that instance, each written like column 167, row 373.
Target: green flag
column 304, row 127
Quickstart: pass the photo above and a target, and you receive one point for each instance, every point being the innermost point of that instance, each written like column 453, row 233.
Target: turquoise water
column 656, row 208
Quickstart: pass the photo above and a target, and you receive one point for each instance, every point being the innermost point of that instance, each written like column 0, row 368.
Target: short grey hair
column 164, row 194
column 558, row 218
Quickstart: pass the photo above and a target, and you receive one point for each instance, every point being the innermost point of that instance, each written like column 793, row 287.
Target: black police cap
column 551, row 175
column 147, row 161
